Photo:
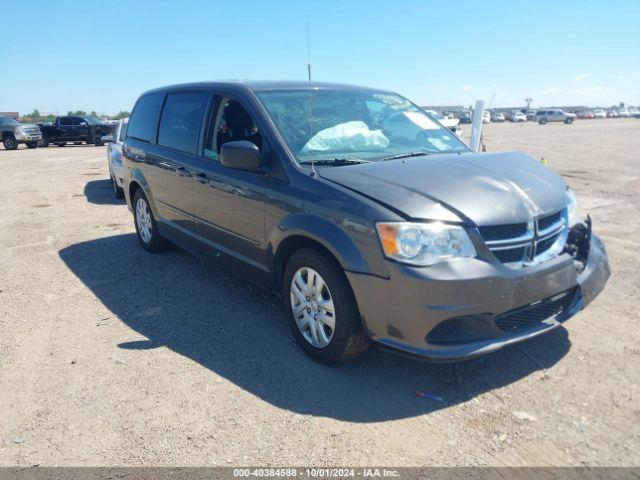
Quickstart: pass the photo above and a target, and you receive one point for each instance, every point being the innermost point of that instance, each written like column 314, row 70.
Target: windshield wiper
column 335, row 161
column 406, row 155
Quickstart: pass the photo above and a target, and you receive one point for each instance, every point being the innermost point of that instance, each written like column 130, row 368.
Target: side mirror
column 108, row 139
column 241, row 154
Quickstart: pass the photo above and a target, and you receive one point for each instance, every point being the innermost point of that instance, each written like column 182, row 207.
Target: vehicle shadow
column 239, row 332
column 100, row 192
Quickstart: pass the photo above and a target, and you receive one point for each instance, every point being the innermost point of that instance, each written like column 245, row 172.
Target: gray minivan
column 375, row 223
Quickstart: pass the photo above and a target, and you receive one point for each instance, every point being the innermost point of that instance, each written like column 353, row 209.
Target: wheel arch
column 303, row 230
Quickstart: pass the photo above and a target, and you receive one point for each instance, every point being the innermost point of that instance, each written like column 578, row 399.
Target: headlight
column 573, row 209
column 19, row 130
column 424, row 244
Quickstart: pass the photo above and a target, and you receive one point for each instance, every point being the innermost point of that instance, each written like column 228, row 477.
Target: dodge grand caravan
column 375, row 223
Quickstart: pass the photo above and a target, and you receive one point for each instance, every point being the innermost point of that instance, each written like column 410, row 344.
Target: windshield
column 355, row 124
column 8, row 121
column 93, row 120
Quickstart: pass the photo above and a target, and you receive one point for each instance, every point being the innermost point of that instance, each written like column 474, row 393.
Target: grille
column 503, row 232
column 535, row 313
column 546, row 222
column 509, row 255
column 31, row 131
column 520, row 243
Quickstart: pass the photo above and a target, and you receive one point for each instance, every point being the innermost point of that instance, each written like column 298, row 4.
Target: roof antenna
column 308, row 57
column 314, row 174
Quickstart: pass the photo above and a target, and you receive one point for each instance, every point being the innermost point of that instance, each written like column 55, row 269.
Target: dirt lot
column 112, row 356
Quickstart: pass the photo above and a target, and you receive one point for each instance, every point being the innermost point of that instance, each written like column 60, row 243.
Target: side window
column 181, row 121
column 142, row 124
column 65, row 121
column 229, row 123
column 77, row 121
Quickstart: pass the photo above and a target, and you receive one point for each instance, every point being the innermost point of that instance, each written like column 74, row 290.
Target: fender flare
column 137, row 176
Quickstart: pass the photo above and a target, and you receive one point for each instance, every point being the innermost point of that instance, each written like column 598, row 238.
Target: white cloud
column 582, row 76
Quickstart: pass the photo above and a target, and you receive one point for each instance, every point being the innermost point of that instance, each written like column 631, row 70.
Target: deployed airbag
column 348, row 136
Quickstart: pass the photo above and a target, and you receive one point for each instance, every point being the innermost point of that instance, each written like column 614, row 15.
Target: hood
column 480, row 188
column 28, row 125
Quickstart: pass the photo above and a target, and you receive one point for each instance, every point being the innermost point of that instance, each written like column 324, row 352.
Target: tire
column 117, row 191
column 61, row 144
column 97, row 141
column 77, row 143
column 542, row 121
column 10, row 142
column 32, row 144
column 346, row 340
column 568, row 121
column 150, row 239
column 44, row 143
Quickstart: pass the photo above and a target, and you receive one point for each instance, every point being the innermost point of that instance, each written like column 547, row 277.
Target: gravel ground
column 111, row 356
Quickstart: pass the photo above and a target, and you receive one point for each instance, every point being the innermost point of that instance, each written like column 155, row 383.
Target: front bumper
column 400, row 312
column 35, row 137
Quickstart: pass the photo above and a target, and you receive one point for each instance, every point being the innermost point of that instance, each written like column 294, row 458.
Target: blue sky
column 64, row 54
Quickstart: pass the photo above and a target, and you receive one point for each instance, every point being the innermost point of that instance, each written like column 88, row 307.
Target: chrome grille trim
column 532, row 241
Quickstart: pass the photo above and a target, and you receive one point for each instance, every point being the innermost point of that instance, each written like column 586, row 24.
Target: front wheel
column 117, row 191
column 542, row 121
column 44, row 142
column 10, row 142
column 97, row 141
column 146, row 227
column 568, row 121
column 321, row 308
column 32, row 144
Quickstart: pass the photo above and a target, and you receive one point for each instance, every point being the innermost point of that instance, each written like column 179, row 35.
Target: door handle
column 183, row 172
column 202, row 177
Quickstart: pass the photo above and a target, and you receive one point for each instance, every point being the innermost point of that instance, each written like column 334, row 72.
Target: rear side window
column 142, row 124
column 182, row 120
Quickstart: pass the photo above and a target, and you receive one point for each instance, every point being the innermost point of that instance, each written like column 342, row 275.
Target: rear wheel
column 542, row 121
column 146, row 226
column 32, row 144
column 97, row 141
column 10, row 142
column 321, row 309
column 568, row 121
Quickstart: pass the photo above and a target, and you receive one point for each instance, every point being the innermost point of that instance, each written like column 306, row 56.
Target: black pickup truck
column 75, row 130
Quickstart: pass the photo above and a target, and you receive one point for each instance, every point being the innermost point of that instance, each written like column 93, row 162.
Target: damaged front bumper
column 459, row 310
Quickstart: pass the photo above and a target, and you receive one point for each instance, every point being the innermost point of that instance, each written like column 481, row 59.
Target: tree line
column 35, row 116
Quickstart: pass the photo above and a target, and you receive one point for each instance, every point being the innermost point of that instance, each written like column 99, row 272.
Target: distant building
column 13, row 115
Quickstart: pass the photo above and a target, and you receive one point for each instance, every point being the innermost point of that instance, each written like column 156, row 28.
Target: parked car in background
column 75, row 129
column 517, row 116
column 486, row 116
column 369, row 236
column 633, row 112
column 497, row 117
column 584, row 114
column 612, row 114
column 452, row 124
column 554, row 115
column 114, row 157
column 599, row 113
column 531, row 115
column 465, row 116
column 623, row 112
column 14, row 133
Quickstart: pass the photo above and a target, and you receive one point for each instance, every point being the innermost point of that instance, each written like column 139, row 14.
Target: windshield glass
column 93, row 120
column 8, row 121
column 362, row 124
